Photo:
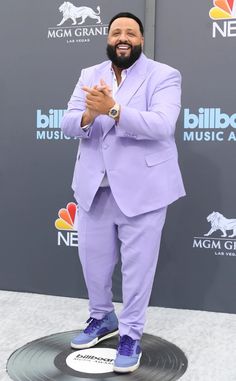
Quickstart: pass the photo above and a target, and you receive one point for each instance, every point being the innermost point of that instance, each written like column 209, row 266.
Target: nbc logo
column 66, row 224
column 224, row 11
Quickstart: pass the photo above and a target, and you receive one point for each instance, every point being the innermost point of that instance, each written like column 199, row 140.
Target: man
column 124, row 111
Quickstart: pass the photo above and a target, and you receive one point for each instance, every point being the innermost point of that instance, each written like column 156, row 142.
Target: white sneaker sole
column 93, row 342
column 128, row 369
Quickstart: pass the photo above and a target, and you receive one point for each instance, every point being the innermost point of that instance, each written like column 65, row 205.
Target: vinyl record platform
column 51, row 358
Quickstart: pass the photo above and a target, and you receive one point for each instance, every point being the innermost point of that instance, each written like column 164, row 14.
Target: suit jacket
column 139, row 152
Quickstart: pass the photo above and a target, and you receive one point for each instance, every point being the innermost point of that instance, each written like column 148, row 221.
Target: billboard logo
column 224, row 11
column 70, row 11
column 77, row 30
column 209, row 124
column 48, row 125
column 92, row 360
column 225, row 245
column 52, row 120
column 67, row 226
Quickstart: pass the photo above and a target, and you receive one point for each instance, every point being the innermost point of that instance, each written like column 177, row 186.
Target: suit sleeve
column 158, row 122
column 71, row 121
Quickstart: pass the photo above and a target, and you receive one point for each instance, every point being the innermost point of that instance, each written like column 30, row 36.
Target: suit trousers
column 99, row 231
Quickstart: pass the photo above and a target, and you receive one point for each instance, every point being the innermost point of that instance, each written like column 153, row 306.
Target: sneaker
column 96, row 331
column 128, row 355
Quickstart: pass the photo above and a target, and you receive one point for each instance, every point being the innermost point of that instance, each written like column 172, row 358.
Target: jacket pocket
column 158, row 157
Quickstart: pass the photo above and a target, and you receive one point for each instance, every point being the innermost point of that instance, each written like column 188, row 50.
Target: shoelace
column 126, row 345
column 93, row 324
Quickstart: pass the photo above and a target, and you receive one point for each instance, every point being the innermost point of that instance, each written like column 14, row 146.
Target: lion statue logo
column 72, row 12
column 219, row 222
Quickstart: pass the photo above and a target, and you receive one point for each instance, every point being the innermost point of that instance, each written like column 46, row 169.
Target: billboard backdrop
column 42, row 55
column 43, row 52
column 198, row 258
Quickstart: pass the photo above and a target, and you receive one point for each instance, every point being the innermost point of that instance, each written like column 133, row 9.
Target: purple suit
column 139, row 156
column 138, row 153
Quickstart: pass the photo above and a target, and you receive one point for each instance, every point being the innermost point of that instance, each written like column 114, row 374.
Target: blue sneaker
column 96, row 331
column 128, row 355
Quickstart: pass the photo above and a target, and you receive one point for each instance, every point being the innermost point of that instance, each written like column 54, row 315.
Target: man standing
column 124, row 111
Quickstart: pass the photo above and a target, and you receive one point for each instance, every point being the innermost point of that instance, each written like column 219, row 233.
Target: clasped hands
column 98, row 101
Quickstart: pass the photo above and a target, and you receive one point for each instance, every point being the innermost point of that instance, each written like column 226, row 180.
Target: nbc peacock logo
column 223, row 9
column 66, row 225
column 223, row 15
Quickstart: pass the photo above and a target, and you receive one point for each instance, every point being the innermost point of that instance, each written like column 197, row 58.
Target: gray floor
column 208, row 339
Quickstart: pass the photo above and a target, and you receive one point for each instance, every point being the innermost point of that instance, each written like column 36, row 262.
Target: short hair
column 130, row 16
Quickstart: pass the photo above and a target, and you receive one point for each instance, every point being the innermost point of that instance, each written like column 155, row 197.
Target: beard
column 124, row 62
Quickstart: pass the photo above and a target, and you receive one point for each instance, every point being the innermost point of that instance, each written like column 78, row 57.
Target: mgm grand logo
column 78, row 24
column 221, row 238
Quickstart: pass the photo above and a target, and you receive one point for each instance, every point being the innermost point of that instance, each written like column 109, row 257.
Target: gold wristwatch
column 114, row 111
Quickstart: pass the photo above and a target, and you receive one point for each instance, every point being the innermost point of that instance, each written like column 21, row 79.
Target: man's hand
column 99, row 99
column 104, row 88
column 88, row 117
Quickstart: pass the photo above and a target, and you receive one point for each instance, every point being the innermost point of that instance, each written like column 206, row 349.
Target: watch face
column 113, row 112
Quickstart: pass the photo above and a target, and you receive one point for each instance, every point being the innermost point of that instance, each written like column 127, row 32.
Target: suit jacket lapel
column 128, row 88
column 132, row 83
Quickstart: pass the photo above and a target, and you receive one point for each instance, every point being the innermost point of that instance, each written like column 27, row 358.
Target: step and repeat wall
column 44, row 46
column 198, row 259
